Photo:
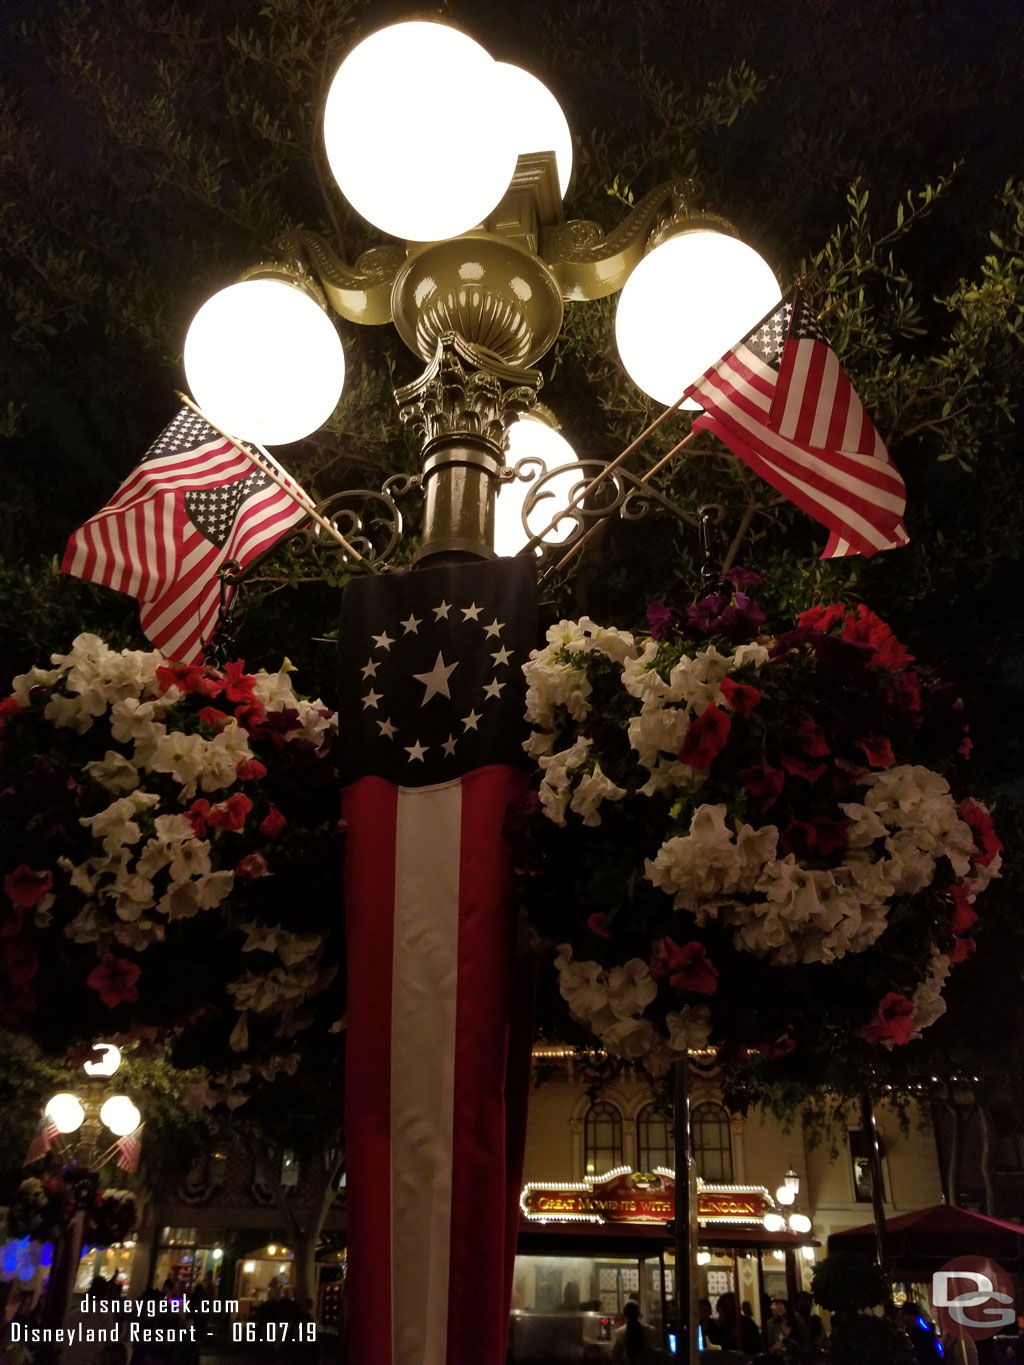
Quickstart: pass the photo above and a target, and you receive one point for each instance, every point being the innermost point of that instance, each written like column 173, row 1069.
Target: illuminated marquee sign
column 625, row 1196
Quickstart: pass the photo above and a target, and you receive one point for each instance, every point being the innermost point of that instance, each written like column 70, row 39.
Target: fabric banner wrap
column 438, row 1037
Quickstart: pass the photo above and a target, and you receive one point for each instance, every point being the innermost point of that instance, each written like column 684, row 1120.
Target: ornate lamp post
column 479, row 286
column 465, row 161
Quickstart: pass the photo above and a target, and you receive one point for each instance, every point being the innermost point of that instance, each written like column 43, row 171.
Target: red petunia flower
column 9, row 707
column 114, row 980
column 213, row 717
column 252, row 867
column 894, row 1021
column 191, row 678
column 25, row 887
column 687, row 967
column 272, row 823
column 798, row 766
column 251, row 714
column 820, row 618
column 229, row 814
column 597, row 923
column 814, row 838
column 250, row 770
column 961, row 950
column 705, row 737
column 20, row 963
column 741, row 698
column 910, row 685
column 762, row 783
column 986, row 842
column 877, row 750
column 238, row 685
column 865, row 627
column 810, row 738
column 197, row 814
column 964, row 913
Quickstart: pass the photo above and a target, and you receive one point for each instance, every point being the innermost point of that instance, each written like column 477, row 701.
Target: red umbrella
column 921, row 1242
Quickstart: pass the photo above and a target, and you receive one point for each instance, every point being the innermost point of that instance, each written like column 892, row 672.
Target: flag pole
column 609, row 468
column 296, row 492
column 593, row 529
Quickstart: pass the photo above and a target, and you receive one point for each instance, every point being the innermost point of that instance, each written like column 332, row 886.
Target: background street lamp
column 79, row 1122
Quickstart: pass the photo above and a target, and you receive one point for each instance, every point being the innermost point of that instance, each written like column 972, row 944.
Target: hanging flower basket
column 166, row 830
column 748, row 840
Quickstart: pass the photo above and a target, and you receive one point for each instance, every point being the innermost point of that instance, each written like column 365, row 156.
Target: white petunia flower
column 114, row 772
column 594, row 787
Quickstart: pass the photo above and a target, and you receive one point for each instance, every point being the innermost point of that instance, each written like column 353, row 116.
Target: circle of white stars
column 435, row 680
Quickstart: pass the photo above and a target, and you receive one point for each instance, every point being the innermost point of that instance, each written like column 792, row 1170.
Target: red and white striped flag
column 129, row 1148
column 437, row 1063
column 194, row 503
column 42, row 1142
column 781, row 402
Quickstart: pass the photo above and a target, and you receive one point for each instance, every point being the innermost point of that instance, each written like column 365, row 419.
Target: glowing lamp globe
column 120, row 1115
column 65, row 1112
column 540, row 125
column 799, row 1222
column 264, row 362
column 774, row 1222
column 531, row 438
column 108, row 1062
column 784, row 1195
column 414, row 135
column 685, row 305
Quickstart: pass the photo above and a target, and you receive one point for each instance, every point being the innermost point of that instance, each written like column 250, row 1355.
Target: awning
column 921, row 1242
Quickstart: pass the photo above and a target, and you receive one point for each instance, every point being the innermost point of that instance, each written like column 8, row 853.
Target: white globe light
column 65, row 1112
column 687, row 304
column 264, row 362
column 808, row 1253
column 108, row 1062
column 774, row 1222
column 785, row 1195
column 540, row 125
column 415, row 136
column 799, row 1222
column 120, row 1115
column 703, row 1257
column 530, row 437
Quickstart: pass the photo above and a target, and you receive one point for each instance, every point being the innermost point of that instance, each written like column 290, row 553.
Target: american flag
column 193, row 504
column 42, row 1142
column 438, row 1036
column 781, row 402
column 129, row 1149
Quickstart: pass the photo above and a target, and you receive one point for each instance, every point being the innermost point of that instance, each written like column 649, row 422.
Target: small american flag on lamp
column 195, row 503
column 782, row 403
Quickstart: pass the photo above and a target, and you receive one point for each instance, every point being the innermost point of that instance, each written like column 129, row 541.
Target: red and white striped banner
column 438, row 1026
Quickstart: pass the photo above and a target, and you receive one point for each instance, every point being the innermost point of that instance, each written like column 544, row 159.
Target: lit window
column 654, row 1140
column 712, row 1143
column 602, row 1138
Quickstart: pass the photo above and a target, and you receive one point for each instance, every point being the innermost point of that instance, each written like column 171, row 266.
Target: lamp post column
column 462, row 407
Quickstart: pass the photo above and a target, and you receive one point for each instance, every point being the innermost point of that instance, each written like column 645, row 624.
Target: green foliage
column 864, row 1340
column 846, row 1282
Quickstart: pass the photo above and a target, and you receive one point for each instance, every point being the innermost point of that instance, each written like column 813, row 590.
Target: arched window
column 654, row 1140
column 602, row 1138
column 712, row 1145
